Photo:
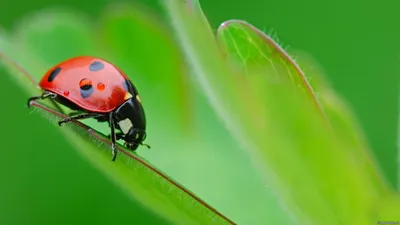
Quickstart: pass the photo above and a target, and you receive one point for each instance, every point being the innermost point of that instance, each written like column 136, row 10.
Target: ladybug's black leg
column 79, row 117
column 113, row 138
column 43, row 96
column 33, row 99
column 46, row 95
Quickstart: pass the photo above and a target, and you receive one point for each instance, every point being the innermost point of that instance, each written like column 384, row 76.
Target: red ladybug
column 97, row 89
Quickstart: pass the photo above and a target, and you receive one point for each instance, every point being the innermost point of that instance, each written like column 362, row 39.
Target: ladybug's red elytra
column 97, row 89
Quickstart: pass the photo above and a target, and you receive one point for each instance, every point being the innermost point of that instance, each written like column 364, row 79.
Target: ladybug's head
column 134, row 138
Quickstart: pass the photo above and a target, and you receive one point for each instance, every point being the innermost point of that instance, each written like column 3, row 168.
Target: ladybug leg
column 43, row 96
column 113, row 137
column 79, row 117
column 31, row 99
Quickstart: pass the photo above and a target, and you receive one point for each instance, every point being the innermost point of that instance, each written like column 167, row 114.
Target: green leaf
column 308, row 167
column 254, row 51
column 69, row 36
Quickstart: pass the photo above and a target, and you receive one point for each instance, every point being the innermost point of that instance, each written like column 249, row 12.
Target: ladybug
column 95, row 88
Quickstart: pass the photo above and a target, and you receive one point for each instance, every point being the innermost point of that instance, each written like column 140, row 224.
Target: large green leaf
column 308, row 167
column 254, row 51
column 37, row 47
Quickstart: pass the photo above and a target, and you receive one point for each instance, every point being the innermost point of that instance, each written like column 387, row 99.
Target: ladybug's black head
column 130, row 119
column 134, row 138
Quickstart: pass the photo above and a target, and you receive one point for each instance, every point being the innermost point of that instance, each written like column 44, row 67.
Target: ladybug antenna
column 148, row 146
column 144, row 138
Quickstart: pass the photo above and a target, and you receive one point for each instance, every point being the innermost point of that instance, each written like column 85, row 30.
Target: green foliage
column 230, row 115
column 289, row 140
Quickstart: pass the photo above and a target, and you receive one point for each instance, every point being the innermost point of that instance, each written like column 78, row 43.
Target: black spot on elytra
column 96, row 66
column 54, row 74
column 86, row 90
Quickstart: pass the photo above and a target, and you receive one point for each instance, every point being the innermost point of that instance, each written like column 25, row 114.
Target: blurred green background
column 356, row 42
